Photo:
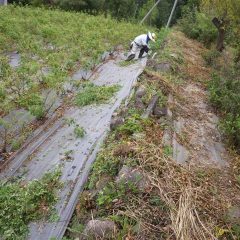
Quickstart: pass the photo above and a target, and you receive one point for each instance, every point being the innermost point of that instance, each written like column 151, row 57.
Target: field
column 46, row 47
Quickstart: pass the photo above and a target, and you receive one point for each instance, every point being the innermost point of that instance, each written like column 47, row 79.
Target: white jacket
column 141, row 40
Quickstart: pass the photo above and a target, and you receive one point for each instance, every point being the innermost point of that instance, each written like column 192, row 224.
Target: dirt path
column 47, row 152
column 197, row 139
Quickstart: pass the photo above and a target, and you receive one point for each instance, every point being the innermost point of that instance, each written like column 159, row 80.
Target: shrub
column 224, row 94
column 198, row 26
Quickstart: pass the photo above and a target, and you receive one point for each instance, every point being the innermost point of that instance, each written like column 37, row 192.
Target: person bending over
column 140, row 43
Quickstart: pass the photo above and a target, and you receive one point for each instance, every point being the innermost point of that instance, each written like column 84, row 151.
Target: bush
column 224, row 94
column 198, row 26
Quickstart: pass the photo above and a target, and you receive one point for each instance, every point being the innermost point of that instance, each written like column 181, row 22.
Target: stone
column 131, row 175
column 99, row 229
column 139, row 104
column 163, row 67
column 233, row 214
column 152, row 104
column 141, row 91
column 160, row 112
column 116, row 122
column 180, row 153
column 159, row 67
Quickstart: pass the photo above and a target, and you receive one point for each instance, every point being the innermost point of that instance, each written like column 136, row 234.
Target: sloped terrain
column 43, row 54
column 168, row 176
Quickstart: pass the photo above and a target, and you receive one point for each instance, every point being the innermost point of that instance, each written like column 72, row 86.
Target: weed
column 92, row 94
column 168, row 151
column 27, row 203
column 68, row 155
column 132, row 125
column 58, row 40
column 105, row 164
column 116, row 192
column 70, row 121
column 79, row 131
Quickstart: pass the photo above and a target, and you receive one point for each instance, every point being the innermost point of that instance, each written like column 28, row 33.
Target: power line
column 150, row 11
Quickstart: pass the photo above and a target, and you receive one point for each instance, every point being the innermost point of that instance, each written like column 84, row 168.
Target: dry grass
column 194, row 65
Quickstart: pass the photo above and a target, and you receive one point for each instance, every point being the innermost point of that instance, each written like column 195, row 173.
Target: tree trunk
column 220, row 24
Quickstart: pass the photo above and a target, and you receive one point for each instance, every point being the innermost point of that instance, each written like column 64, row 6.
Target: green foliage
column 37, row 111
column 115, row 191
column 198, row 25
column 92, row 94
column 211, row 56
column 132, row 125
column 224, row 94
column 21, row 204
column 105, row 164
column 167, row 151
column 55, row 40
column 79, row 131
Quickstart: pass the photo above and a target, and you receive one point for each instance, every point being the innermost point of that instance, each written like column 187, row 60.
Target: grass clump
column 20, row 204
column 79, row 131
column 92, row 94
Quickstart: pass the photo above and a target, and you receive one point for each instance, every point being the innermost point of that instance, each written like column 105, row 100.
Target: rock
column 233, row 214
column 159, row 67
column 99, row 229
column 141, row 91
column 128, row 174
column 167, row 138
column 139, row 104
column 162, row 67
column 150, row 107
column 116, row 122
column 180, row 153
column 160, row 112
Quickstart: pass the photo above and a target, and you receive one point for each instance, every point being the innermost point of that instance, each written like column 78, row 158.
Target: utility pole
column 170, row 17
column 150, row 11
column 3, row 2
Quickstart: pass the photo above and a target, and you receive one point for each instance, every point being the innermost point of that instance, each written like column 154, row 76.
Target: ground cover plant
column 52, row 45
column 54, row 41
column 22, row 203
column 92, row 94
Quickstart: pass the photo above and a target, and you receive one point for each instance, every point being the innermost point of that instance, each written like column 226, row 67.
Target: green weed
column 132, row 125
column 92, row 94
column 105, row 164
column 61, row 41
column 79, row 131
column 21, row 204
column 168, row 151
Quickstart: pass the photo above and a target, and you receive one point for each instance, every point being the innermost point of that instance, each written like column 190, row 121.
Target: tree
column 226, row 17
